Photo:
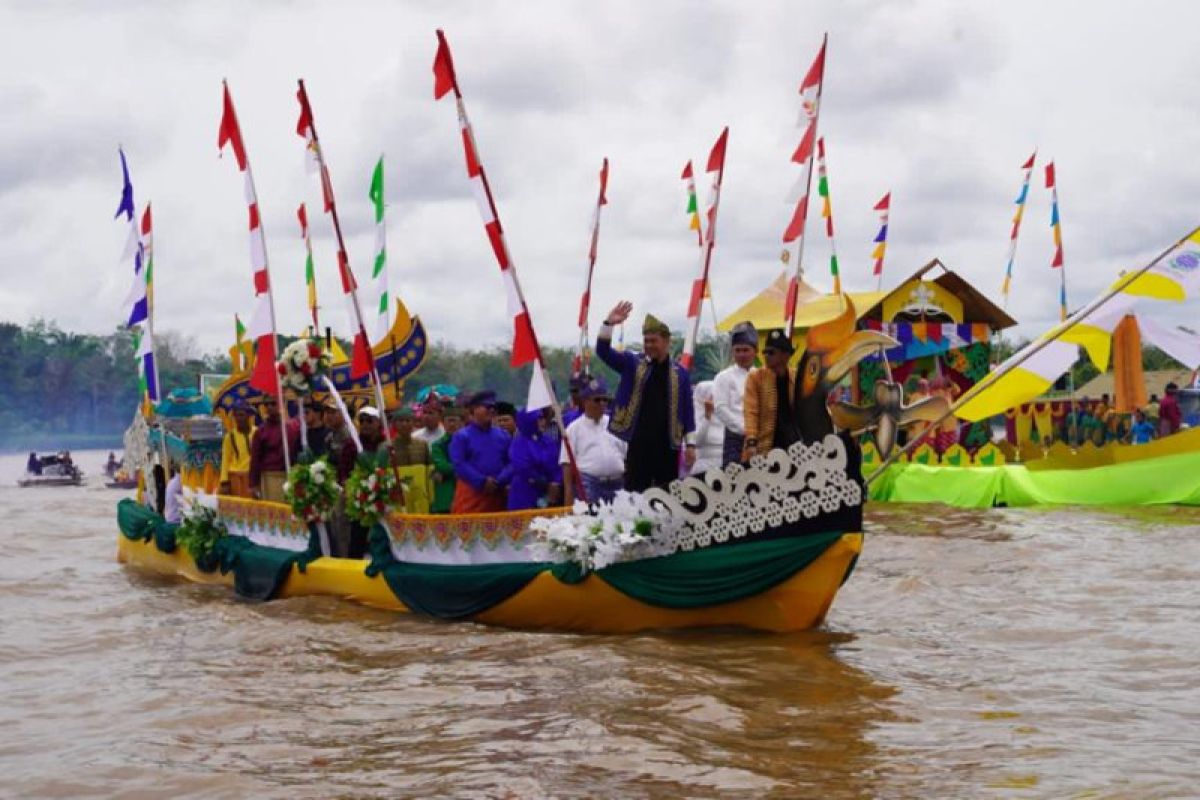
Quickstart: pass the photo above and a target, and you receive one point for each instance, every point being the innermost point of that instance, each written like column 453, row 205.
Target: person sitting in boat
column 267, row 464
column 235, row 453
column 34, row 465
column 1142, row 430
column 769, row 398
column 729, row 392
column 599, row 456
column 710, row 433
column 1152, row 411
column 536, row 476
column 506, row 417
column 173, row 496
column 110, row 466
column 443, row 467
column 314, row 423
column 431, row 428
column 479, row 453
column 652, row 411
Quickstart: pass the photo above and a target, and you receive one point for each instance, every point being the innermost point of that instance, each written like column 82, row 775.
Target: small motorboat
column 54, row 469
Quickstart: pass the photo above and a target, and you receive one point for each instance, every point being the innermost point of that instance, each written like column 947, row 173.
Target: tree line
column 64, row 389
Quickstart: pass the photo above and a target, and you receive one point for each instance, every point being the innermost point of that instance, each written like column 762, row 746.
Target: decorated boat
column 764, row 545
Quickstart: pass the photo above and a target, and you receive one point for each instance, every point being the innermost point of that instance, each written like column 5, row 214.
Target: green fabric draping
column 258, row 572
column 1166, row 480
column 694, row 579
column 447, row 592
column 715, row 575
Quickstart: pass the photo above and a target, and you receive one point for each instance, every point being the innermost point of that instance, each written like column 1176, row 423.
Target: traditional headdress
column 655, row 325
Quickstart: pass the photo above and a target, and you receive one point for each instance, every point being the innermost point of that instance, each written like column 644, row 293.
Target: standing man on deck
column 769, row 399
column 729, row 391
column 266, row 453
column 479, row 453
column 652, row 411
column 235, row 453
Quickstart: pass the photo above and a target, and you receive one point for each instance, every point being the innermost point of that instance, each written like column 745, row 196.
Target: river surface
column 1000, row 653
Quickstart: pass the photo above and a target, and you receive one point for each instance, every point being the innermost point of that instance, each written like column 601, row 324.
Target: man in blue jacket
column 652, row 410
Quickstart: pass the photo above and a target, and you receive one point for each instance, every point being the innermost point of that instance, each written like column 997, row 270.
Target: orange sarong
column 469, row 500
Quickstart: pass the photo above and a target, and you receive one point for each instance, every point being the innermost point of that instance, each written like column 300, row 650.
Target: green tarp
column 1164, row 480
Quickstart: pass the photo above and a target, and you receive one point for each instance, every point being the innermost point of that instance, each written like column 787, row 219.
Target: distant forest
column 75, row 390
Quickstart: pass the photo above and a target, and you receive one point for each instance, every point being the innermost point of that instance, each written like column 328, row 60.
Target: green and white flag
column 383, row 313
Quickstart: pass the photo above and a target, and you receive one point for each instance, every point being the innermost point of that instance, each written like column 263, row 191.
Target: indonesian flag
column 524, row 346
column 262, row 322
column 810, row 92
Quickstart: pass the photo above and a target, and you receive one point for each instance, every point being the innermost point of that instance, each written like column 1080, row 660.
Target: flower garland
column 200, row 531
column 372, row 489
column 312, row 490
column 595, row 536
column 301, row 363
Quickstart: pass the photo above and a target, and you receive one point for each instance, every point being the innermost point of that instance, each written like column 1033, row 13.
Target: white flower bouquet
column 627, row 529
column 301, row 363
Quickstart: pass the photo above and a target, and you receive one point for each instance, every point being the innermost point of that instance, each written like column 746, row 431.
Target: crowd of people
column 483, row 455
column 1100, row 423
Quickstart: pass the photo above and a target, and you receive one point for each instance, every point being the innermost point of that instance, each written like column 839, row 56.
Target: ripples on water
column 1009, row 652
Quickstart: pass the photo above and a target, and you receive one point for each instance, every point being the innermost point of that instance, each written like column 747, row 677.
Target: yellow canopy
column 765, row 310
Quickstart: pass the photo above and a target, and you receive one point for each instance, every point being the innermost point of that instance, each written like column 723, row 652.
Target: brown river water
column 999, row 653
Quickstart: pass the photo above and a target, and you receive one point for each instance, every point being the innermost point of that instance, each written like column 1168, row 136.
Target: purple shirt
column 479, row 454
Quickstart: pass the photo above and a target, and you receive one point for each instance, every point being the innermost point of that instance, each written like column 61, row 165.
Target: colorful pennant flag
column 383, row 318
column 716, row 168
column 827, row 214
column 134, row 309
column 310, row 274
column 147, row 368
column 262, row 321
column 579, row 364
column 693, row 209
column 810, row 114
column 1016, row 224
column 1057, row 261
column 884, row 208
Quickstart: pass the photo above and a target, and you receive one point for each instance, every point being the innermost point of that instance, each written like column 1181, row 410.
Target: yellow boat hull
column 590, row 606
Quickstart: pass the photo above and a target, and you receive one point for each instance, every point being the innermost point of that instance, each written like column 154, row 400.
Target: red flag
column 444, row 79
column 716, row 159
column 805, row 150
column 1058, row 258
column 305, row 123
column 816, row 73
column 604, row 183
column 524, row 344
column 687, row 172
column 231, row 133
column 264, row 378
column 1029, row 164
column 302, row 215
column 795, row 228
column 885, row 203
column 362, row 360
column 147, row 224
column 1050, row 175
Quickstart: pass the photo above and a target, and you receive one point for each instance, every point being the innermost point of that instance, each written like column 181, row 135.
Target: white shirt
column 598, row 453
column 729, row 391
column 173, row 502
column 427, row 436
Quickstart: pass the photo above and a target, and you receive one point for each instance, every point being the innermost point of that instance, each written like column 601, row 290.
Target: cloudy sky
column 938, row 101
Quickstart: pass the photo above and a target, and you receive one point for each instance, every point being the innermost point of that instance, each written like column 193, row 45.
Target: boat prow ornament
column 397, row 356
column 888, row 414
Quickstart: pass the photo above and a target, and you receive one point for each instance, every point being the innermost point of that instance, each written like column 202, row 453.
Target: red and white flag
column 716, row 168
column 810, row 114
column 262, row 321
